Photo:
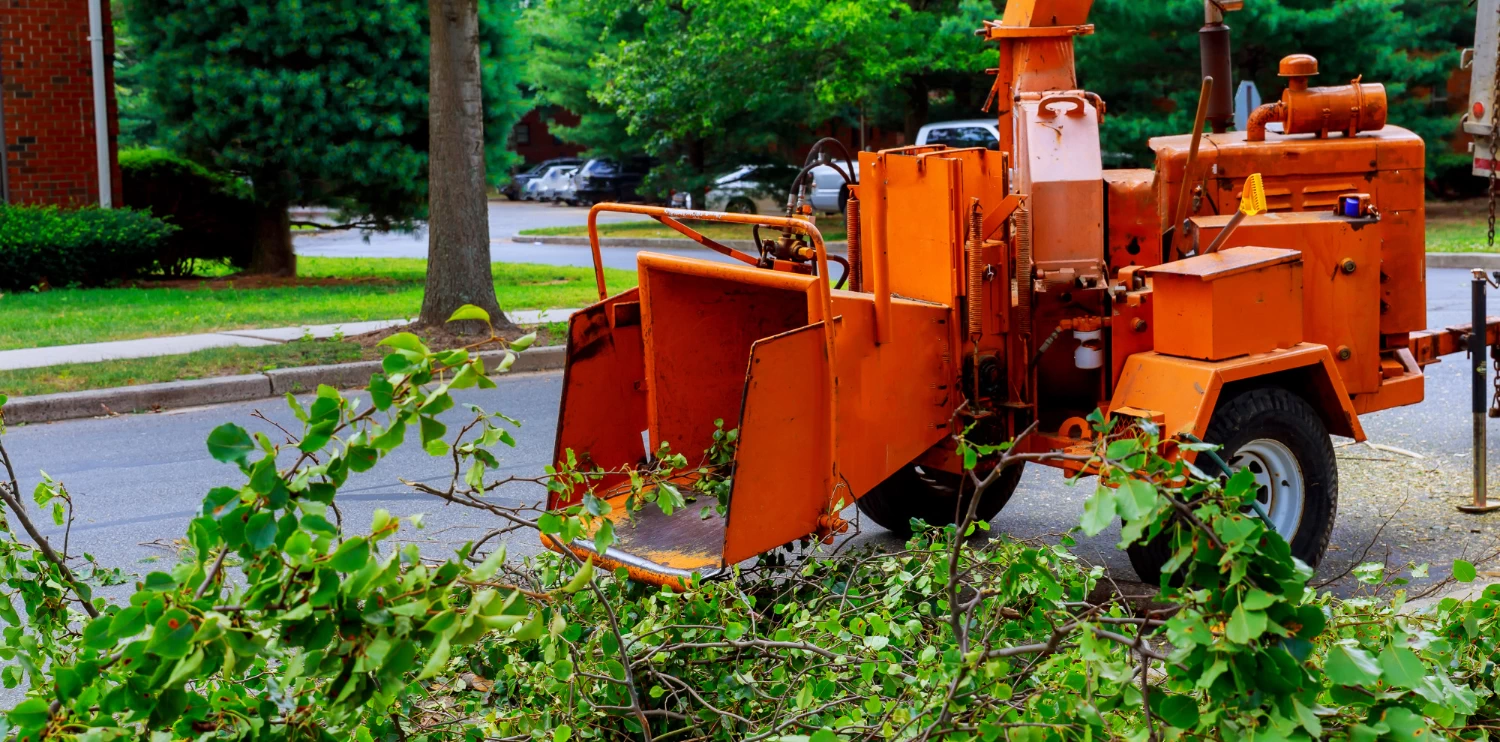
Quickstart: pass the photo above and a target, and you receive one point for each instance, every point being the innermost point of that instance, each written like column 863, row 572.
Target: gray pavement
column 137, row 480
column 507, row 219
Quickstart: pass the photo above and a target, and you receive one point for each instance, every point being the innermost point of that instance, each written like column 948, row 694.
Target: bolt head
column 1139, row 325
column 1344, row 353
column 1348, row 265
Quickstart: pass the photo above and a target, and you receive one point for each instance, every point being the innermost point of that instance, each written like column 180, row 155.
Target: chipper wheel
column 930, row 496
column 1277, row 435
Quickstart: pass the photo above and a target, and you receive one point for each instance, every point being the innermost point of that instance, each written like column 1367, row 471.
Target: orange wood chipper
column 1017, row 285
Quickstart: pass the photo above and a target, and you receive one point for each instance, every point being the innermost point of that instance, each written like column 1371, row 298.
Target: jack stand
column 1479, row 361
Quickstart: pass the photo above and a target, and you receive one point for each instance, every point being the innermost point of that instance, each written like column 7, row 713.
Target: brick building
column 47, row 103
column 533, row 140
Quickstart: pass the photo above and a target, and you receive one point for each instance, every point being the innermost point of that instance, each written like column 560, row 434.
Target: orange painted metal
column 1350, row 109
column 1304, row 174
column 986, row 283
column 1184, row 391
column 1231, row 303
column 1428, row 346
column 1134, row 233
column 1340, row 282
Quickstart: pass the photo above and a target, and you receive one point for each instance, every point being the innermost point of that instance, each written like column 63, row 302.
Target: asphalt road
column 507, row 219
column 137, row 480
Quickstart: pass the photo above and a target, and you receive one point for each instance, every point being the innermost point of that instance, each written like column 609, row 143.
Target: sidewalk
column 179, row 344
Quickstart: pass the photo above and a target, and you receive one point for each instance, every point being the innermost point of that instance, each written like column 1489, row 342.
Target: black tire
column 930, row 496
column 740, row 205
column 1283, row 418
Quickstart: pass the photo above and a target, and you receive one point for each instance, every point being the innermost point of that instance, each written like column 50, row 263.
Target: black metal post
column 1479, row 361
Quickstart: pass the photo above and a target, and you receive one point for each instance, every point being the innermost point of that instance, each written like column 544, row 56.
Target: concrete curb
column 657, row 243
column 176, row 394
column 1487, row 261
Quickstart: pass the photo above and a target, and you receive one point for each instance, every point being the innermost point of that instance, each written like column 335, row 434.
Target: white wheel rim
column 1278, row 482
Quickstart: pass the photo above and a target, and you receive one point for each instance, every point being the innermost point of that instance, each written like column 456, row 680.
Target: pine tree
column 313, row 101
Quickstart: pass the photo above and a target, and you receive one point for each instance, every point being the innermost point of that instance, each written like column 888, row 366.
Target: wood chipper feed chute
column 823, row 411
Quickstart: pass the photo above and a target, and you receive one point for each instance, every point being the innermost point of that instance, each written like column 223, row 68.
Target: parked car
column 607, row 180
column 752, row 189
column 961, row 134
column 829, row 191
column 516, row 188
column 546, row 187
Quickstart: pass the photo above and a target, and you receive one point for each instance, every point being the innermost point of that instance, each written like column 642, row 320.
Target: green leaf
column 1401, row 667
column 260, row 531
column 30, row 714
column 469, row 311
column 1464, row 571
column 1351, row 666
column 405, row 341
column 160, row 582
column 523, row 342
column 1308, row 719
column 1179, row 711
column 185, row 668
column 351, row 555
column 1245, row 625
column 563, row 733
column 438, row 661
column 381, row 392
column 230, row 444
column 1258, row 600
column 1098, row 511
column 581, row 579
column 489, row 566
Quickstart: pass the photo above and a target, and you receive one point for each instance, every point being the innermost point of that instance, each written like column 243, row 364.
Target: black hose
column 841, row 261
column 826, row 141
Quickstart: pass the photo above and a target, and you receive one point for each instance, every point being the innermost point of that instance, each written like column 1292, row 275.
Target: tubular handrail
column 674, row 218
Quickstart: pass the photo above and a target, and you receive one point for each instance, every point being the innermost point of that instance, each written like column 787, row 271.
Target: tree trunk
column 458, row 226
column 272, row 254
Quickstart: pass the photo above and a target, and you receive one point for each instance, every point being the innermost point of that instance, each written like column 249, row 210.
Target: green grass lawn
column 389, row 288
column 1458, row 236
column 832, row 229
column 202, row 364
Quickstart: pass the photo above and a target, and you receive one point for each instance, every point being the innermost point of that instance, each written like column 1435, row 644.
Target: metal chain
column 1495, row 399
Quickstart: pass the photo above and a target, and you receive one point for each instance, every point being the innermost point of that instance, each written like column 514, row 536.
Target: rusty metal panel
column 1340, row 281
column 1134, row 233
column 699, row 321
column 604, row 396
column 781, row 477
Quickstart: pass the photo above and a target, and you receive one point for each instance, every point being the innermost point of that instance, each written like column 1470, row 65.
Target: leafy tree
column 319, row 102
column 1144, row 59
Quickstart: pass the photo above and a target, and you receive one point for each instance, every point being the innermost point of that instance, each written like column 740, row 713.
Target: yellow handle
column 1253, row 197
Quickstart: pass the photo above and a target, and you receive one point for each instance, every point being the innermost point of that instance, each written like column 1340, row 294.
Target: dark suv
column 609, row 180
column 517, row 184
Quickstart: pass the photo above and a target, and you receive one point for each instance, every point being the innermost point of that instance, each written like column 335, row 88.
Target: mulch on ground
column 443, row 338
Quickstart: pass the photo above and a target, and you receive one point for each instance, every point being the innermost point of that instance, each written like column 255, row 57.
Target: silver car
column 829, row 193
column 555, row 181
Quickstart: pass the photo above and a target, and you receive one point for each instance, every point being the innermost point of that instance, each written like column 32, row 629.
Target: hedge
column 45, row 245
column 215, row 212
